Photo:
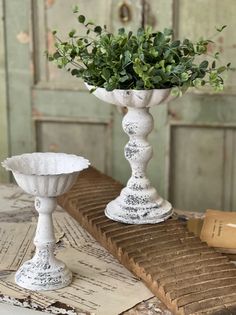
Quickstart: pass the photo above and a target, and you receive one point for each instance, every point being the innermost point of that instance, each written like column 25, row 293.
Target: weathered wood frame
column 19, row 75
column 4, row 176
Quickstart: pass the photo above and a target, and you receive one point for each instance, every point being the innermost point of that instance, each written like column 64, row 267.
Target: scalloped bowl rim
column 89, row 86
column 14, row 163
column 151, row 98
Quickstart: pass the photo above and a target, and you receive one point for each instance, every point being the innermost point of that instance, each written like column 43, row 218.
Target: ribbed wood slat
column 187, row 275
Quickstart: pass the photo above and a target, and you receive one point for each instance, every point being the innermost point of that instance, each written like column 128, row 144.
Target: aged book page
column 99, row 287
column 75, row 236
column 15, row 244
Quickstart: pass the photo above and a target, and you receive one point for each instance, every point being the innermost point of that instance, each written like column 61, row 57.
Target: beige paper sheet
column 99, row 287
column 12, row 198
column 14, row 291
column 15, row 244
column 75, row 236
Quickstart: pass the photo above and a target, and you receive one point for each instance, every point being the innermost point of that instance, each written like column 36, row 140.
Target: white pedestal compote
column 46, row 176
column 138, row 202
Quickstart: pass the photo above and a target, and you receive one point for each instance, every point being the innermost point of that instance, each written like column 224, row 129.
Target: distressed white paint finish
column 138, row 202
column 45, row 175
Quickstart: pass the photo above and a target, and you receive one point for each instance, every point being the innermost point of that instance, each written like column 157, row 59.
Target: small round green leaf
column 72, row 33
column 98, row 29
column 81, row 18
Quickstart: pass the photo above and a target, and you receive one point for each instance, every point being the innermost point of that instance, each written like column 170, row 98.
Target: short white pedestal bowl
column 138, row 202
column 46, row 176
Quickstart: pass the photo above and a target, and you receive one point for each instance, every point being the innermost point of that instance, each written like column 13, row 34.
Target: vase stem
column 44, row 271
column 137, row 124
column 45, row 231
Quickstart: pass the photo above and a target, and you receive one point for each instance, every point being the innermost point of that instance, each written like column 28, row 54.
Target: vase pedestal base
column 151, row 213
column 32, row 276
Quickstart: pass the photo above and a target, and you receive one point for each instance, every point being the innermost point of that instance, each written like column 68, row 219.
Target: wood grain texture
column 4, row 176
column 186, row 274
column 158, row 14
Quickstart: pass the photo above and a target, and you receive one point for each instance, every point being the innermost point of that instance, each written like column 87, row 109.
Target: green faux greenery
column 141, row 60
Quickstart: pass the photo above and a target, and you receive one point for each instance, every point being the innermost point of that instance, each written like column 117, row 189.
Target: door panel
column 202, row 167
column 19, row 75
column 203, row 125
column 197, row 182
column 85, row 139
column 51, row 102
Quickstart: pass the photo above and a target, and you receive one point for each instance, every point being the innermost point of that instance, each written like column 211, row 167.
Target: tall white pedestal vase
column 138, row 202
column 46, row 176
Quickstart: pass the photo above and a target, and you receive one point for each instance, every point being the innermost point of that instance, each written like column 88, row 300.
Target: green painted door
column 4, row 176
column 48, row 110
column 202, row 126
